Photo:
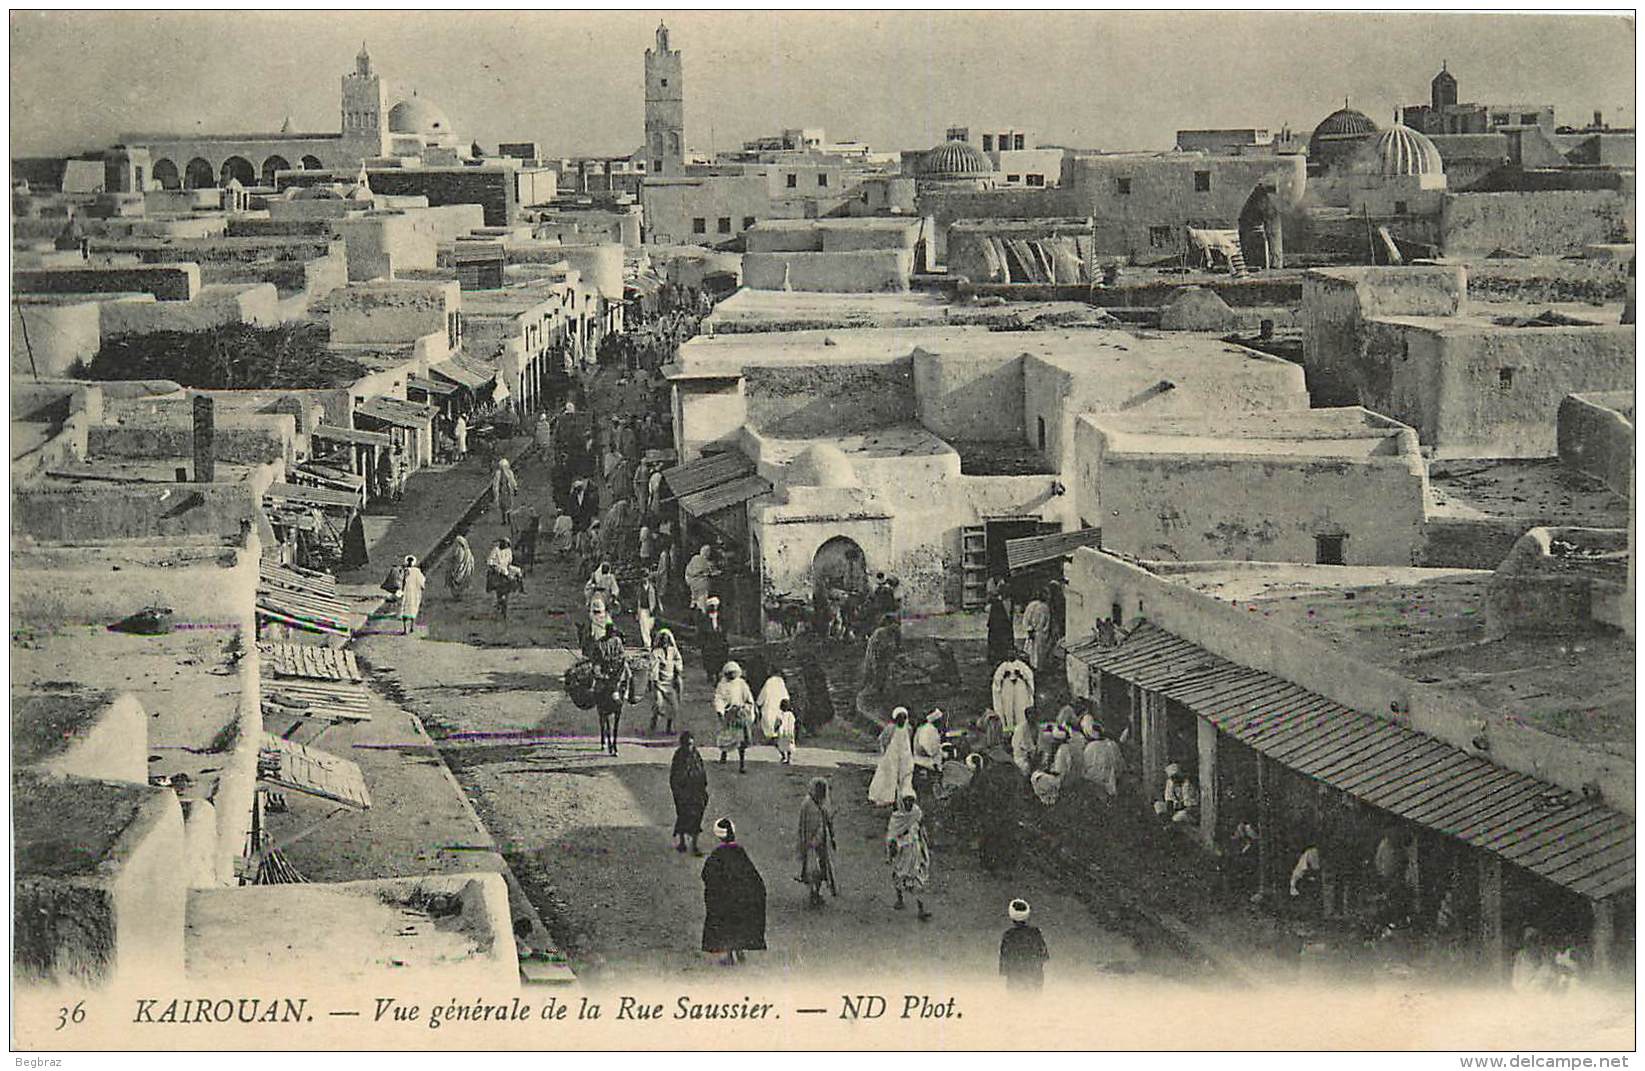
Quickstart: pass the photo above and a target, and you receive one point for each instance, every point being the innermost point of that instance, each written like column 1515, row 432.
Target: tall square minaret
column 664, row 108
column 365, row 113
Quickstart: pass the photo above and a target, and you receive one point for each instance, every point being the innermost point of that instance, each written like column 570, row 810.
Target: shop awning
column 1033, row 550
column 1552, row 832
column 430, row 386
column 724, row 495
column 706, row 472
column 324, row 497
column 357, row 436
column 326, row 476
column 289, row 766
column 461, row 374
column 401, row 414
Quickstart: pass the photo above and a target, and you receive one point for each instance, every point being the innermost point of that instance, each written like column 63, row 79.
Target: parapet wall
column 867, row 271
column 167, row 282
column 1337, row 302
column 1596, row 437
column 796, row 402
column 1542, row 221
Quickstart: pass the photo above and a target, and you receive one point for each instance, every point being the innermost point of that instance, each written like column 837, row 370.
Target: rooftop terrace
column 1430, row 625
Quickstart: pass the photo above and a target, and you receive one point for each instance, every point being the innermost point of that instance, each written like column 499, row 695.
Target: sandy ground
column 589, row 836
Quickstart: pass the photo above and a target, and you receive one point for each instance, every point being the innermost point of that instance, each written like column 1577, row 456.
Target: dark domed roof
column 1345, row 123
column 955, row 159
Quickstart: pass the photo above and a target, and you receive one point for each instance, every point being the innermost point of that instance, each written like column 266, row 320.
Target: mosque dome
column 1344, row 124
column 955, row 160
column 821, row 465
column 1400, row 151
column 414, row 115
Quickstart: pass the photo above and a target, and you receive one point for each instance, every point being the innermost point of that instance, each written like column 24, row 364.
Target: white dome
column 1400, row 151
column 417, row 116
column 822, row 465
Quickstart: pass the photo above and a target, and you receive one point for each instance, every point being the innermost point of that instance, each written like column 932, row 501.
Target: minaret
column 365, row 126
column 664, row 108
column 1442, row 90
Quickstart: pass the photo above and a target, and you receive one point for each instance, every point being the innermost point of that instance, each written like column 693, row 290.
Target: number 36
column 76, row 1015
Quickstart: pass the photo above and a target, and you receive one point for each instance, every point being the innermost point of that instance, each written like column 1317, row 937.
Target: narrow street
column 589, row 835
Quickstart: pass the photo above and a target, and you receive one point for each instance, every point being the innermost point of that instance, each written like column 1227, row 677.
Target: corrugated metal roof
column 358, row 436
column 706, row 472
column 312, row 496
column 1548, row 830
column 459, row 373
column 394, row 411
column 1032, row 550
column 723, row 495
column 430, row 386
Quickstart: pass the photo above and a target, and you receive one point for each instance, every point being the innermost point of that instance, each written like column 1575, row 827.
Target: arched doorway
column 312, row 163
column 839, row 581
column 165, row 173
column 198, row 175
column 239, row 169
column 273, row 164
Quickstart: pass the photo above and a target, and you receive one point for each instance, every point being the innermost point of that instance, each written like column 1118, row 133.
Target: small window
column 1499, row 119
column 699, row 225
column 1202, row 182
column 822, row 178
column 1122, row 186
column 1328, row 550
column 1042, row 432
column 1016, row 141
column 665, row 83
column 793, row 181
column 1159, row 237
column 748, row 221
column 1528, row 119
column 1401, row 208
column 1035, row 180
column 725, row 224
column 988, row 143
column 1012, row 179
column 657, row 166
column 1505, row 377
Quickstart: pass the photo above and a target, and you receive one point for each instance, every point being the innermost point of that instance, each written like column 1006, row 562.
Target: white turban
column 1018, row 910
column 732, row 669
column 1173, row 770
column 724, row 829
column 935, row 716
column 1088, row 726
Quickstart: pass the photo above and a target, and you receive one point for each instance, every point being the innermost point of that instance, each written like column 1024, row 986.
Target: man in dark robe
column 1022, row 952
column 734, row 899
column 878, row 657
column 712, row 640
column 993, row 797
column 688, row 781
column 1001, row 641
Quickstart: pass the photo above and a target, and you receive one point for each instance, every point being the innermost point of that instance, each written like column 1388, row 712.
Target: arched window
column 239, row 169
column 165, row 173
column 199, row 174
column 273, row 164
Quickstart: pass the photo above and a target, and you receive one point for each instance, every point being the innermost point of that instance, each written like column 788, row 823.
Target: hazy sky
column 572, row 80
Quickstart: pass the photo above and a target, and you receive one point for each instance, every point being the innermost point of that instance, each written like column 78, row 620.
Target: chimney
column 1599, row 119
column 205, row 426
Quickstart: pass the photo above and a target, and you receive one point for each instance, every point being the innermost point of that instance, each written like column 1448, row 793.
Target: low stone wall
column 218, row 305
column 1542, row 589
